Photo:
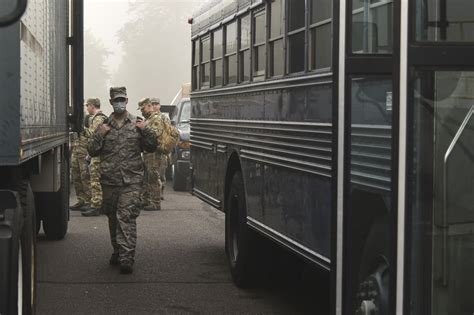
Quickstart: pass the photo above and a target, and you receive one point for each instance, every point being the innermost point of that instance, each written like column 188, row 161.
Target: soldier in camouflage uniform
column 165, row 158
column 97, row 119
column 152, row 183
column 119, row 144
column 79, row 170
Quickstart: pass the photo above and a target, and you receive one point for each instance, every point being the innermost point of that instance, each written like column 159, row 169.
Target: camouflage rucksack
column 169, row 138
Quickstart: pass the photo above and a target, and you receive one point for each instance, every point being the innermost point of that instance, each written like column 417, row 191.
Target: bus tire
column 55, row 207
column 239, row 239
column 374, row 269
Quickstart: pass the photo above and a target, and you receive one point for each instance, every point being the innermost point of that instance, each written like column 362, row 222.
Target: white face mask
column 119, row 107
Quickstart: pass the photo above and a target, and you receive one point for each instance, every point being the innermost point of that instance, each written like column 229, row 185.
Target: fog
column 143, row 45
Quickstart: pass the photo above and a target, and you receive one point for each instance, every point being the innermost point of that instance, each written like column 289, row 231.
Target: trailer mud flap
column 10, row 227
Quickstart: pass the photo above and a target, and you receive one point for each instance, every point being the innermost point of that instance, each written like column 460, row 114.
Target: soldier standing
column 165, row 158
column 152, row 183
column 80, row 171
column 119, row 144
column 97, row 119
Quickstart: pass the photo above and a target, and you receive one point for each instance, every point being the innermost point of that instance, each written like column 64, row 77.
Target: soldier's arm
column 95, row 144
column 149, row 140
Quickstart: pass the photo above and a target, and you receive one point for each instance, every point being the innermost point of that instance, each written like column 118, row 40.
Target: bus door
column 439, row 256
column 366, row 191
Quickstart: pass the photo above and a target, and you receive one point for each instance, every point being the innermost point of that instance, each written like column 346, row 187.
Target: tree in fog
column 156, row 48
column 96, row 75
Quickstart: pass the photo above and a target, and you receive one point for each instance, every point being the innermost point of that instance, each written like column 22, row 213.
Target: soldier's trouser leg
column 152, row 182
column 163, row 167
column 121, row 205
column 96, row 188
column 80, row 177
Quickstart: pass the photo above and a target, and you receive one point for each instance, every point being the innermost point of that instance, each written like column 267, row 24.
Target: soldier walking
column 164, row 158
column 119, row 144
column 152, row 183
column 97, row 118
column 80, row 171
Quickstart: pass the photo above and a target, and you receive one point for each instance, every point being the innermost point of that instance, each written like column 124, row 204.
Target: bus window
column 445, row 20
column 231, row 53
column 296, row 35
column 372, row 27
column 259, row 44
column 244, row 53
column 320, row 32
column 217, row 58
column 276, row 39
column 195, row 64
column 205, row 65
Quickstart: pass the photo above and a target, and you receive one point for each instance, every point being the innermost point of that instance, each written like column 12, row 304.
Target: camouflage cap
column 155, row 100
column 143, row 101
column 116, row 92
column 93, row 101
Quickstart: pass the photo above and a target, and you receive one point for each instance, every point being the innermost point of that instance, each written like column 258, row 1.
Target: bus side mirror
column 10, row 17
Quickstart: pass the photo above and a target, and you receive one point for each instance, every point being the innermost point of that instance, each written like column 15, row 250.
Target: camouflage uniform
column 121, row 177
column 79, row 169
column 152, row 184
column 96, row 189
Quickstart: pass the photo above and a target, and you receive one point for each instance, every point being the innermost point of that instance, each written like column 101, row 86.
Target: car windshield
column 185, row 112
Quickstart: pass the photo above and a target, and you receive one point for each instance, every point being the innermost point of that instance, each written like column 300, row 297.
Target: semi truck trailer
column 41, row 97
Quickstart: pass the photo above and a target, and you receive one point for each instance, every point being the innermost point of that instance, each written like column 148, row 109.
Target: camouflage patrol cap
column 143, row 101
column 120, row 91
column 155, row 100
column 93, row 101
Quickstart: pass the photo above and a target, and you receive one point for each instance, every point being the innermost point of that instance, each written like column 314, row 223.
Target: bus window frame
column 293, row 33
column 241, row 51
column 258, row 75
column 228, row 55
column 202, row 63
column 312, row 28
column 272, row 40
column 196, row 64
column 214, row 60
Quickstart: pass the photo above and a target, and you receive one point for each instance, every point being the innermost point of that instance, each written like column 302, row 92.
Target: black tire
column 179, row 181
column 55, row 207
column 240, row 241
column 374, row 265
column 28, row 247
column 18, row 281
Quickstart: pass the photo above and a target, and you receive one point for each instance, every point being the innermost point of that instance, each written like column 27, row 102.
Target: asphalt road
column 180, row 268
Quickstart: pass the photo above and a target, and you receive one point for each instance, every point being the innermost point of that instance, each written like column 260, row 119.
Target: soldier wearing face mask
column 119, row 143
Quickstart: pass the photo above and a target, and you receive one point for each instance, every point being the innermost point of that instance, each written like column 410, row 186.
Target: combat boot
column 126, row 268
column 77, row 206
column 114, row 260
column 91, row 212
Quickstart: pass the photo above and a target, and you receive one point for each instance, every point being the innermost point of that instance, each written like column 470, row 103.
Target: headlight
column 185, row 155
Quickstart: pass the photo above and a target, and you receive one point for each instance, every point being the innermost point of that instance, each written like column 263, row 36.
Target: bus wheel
column 55, row 207
column 238, row 237
column 372, row 293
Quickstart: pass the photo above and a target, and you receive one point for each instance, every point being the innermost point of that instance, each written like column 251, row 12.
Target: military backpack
column 169, row 138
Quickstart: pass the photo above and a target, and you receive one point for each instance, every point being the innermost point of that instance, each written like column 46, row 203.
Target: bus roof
column 217, row 12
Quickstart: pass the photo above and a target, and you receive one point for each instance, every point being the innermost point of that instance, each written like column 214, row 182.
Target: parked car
column 180, row 157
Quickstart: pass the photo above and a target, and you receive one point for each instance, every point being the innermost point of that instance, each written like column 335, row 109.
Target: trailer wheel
column 179, row 181
column 372, row 294
column 239, row 239
column 55, row 207
column 28, row 250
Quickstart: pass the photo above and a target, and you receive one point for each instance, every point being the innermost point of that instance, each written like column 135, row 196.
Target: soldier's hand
column 141, row 124
column 104, row 129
